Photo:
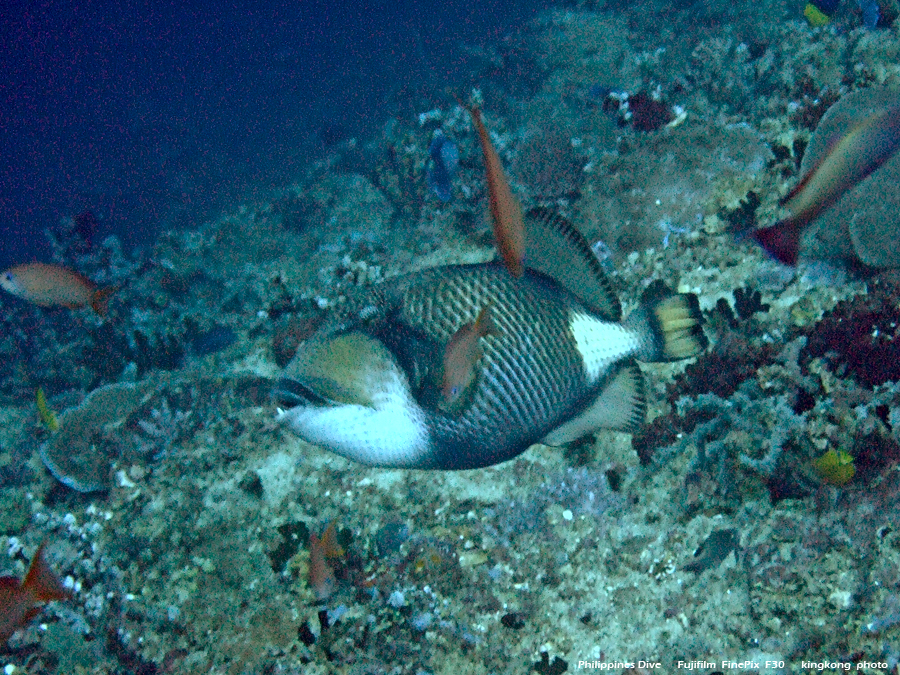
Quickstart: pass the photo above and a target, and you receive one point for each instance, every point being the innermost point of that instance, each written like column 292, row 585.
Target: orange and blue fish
column 506, row 212
column 21, row 601
column 850, row 158
column 48, row 285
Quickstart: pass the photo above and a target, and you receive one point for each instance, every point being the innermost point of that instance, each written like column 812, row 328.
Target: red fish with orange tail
column 506, row 213
column 843, row 162
column 54, row 286
column 21, row 601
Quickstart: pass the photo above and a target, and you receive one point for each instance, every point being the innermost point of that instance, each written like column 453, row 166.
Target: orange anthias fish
column 54, row 286
column 20, row 602
column 850, row 158
column 321, row 577
column 462, row 354
column 506, row 213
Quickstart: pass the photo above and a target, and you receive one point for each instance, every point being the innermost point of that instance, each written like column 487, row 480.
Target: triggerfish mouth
column 864, row 144
column 556, row 363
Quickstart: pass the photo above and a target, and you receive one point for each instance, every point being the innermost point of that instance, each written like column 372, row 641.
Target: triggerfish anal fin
column 506, row 213
column 841, row 163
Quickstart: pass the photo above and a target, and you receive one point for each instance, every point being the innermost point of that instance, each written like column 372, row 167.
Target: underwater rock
column 862, row 225
column 548, row 164
column 76, row 455
column 665, row 183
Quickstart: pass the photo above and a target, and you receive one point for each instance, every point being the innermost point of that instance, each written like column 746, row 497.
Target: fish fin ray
column 554, row 247
column 670, row 323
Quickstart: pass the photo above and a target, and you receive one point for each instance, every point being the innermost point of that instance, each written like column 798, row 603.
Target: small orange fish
column 54, row 286
column 506, row 213
column 20, row 602
column 321, row 577
column 462, row 354
column 330, row 545
column 851, row 157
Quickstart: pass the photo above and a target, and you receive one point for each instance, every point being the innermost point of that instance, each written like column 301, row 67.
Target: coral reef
column 179, row 514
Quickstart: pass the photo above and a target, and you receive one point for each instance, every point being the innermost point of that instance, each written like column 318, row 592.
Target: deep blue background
column 156, row 116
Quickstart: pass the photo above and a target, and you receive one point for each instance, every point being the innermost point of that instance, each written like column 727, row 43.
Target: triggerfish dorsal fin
column 555, row 248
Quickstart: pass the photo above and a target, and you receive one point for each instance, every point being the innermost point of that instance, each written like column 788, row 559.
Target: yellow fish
column 54, row 286
column 835, row 467
column 44, row 412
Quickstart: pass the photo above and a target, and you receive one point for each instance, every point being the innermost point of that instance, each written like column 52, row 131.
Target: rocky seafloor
column 179, row 513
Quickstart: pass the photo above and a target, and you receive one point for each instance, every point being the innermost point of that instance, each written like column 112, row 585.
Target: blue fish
column 871, row 12
column 442, row 167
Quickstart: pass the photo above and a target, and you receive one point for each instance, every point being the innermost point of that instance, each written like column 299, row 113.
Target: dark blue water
column 156, row 116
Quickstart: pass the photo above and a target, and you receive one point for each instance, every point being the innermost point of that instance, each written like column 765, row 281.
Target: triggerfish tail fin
column 42, row 582
column 671, row 324
column 506, row 213
column 100, row 299
column 782, row 240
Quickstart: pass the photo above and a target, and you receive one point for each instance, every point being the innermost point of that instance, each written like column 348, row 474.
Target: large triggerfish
column 840, row 163
column 540, row 357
